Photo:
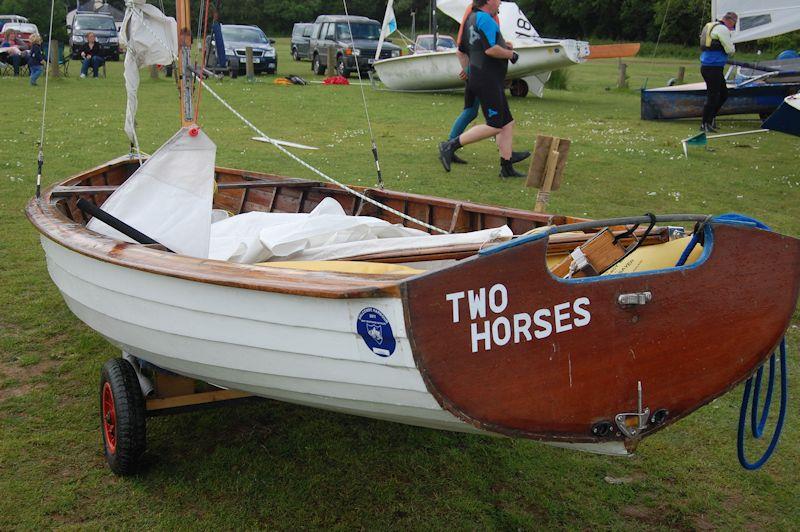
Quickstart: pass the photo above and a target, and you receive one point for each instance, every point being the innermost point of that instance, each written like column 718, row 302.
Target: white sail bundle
column 169, row 197
column 514, row 25
column 151, row 38
column 759, row 20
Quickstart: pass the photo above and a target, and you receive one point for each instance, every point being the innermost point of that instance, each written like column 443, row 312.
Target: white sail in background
column 389, row 27
column 514, row 25
column 151, row 38
column 759, row 20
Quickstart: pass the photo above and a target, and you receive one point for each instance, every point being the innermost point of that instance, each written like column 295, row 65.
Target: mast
column 184, row 61
column 434, row 26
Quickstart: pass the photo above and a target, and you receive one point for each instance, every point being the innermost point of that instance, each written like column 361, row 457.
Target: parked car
column 237, row 38
column 424, row 44
column 104, row 29
column 5, row 19
column 301, row 38
column 24, row 30
column 334, row 31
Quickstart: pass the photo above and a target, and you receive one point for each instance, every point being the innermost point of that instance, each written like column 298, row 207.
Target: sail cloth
column 169, row 197
column 389, row 26
column 151, row 38
column 326, row 233
column 514, row 25
column 759, row 20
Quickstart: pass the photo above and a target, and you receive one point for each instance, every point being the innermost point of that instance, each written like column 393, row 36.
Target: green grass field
column 275, row 465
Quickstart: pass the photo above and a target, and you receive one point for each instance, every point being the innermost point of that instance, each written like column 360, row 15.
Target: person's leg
column 711, row 76
column 97, row 61
column 16, row 61
column 467, row 115
column 505, row 140
column 723, row 94
column 85, row 66
column 36, row 71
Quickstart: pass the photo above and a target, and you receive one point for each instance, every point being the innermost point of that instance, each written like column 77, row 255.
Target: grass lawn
column 276, row 465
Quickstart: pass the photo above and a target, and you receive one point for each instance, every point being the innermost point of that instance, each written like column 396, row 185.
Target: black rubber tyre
column 122, row 417
column 519, row 88
column 295, row 55
column 316, row 66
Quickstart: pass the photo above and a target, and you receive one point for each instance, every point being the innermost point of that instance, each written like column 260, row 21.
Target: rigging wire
column 40, row 157
column 363, row 97
column 658, row 40
column 292, row 156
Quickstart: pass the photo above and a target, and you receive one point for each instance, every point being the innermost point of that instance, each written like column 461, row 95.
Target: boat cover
column 151, row 38
column 326, row 233
column 759, row 20
column 169, row 197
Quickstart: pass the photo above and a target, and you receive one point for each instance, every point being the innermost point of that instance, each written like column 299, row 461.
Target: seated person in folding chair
column 91, row 56
column 13, row 50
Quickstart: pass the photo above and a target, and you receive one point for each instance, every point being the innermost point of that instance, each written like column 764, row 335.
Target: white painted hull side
column 296, row 349
column 439, row 70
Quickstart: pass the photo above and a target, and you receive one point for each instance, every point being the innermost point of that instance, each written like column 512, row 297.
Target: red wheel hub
column 109, row 418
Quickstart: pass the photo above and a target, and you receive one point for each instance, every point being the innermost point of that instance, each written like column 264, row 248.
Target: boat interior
column 240, row 192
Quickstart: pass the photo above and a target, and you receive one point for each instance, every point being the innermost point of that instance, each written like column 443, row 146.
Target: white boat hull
column 291, row 348
column 439, row 70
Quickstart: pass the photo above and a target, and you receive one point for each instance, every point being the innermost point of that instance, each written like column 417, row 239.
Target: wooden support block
column 546, row 168
column 622, row 82
column 173, row 385
column 680, row 76
column 251, row 72
column 601, row 253
column 153, row 72
column 191, row 399
column 331, row 66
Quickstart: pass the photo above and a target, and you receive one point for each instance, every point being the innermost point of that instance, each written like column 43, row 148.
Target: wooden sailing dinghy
column 486, row 340
column 479, row 337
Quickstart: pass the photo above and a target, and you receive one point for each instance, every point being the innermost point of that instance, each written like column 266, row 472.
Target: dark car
column 237, row 38
column 301, row 38
column 104, row 29
column 333, row 31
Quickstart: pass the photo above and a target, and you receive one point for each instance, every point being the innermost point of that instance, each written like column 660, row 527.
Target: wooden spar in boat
column 184, row 57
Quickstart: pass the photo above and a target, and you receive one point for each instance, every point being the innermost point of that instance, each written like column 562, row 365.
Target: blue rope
column 758, row 433
column 756, row 425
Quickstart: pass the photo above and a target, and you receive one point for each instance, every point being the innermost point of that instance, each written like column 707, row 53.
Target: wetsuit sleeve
column 724, row 35
column 488, row 27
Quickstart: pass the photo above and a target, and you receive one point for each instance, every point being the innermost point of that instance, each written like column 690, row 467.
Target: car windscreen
column 253, row 35
column 361, row 30
column 21, row 28
column 88, row 22
column 426, row 43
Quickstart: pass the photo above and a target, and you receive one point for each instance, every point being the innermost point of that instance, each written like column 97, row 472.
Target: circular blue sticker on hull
column 376, row 331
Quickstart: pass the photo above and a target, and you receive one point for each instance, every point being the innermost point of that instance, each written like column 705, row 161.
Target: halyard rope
column 40, row 158
column 363, row 97
column 284, row 150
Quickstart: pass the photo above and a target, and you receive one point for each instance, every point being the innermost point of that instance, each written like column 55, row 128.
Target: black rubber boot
column 507, row 169
column 519, row 156
column 446, row 151
column 458, row 160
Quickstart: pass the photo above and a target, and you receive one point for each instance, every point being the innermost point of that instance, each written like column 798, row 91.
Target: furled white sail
column 151, row 38
column 514, row 25
column 759, row 20
column 169, row 197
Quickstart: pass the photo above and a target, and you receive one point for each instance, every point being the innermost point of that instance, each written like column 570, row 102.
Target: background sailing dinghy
column 757, row 88
column 439, row 70
column 446, row 316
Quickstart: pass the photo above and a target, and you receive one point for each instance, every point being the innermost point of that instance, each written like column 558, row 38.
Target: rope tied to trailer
column 756, row 425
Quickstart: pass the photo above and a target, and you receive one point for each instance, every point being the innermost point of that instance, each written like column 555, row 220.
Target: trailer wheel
column 519, row 88
column 122, row 417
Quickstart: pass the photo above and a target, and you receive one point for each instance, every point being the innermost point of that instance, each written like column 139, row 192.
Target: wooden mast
column 184, row 61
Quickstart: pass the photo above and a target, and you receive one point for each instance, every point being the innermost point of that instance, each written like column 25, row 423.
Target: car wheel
column 316, row 66
column 519, row 88
column 295, row 54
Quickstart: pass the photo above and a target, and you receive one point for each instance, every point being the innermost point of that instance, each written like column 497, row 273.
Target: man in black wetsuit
column 488, row 62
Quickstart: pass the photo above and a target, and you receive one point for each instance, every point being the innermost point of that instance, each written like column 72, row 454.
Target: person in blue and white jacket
column 716, row 45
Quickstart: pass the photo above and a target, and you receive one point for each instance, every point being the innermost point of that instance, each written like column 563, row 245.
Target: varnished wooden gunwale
column 57, row 217
column 707, row 328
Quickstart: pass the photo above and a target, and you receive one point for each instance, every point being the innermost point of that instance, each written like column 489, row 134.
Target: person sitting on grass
column 35, row 60
column 13, row 50
column 91, row 56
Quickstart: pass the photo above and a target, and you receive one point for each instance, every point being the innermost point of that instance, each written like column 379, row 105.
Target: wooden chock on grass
column 547, row 166
column 53, row 58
